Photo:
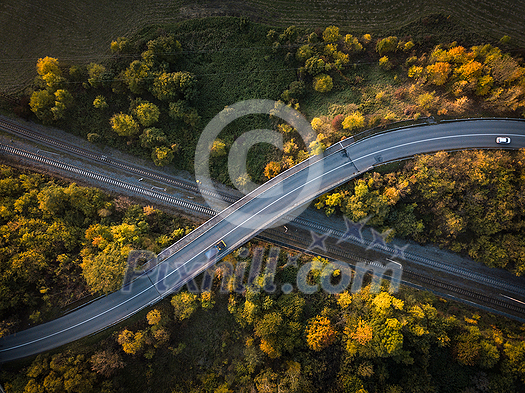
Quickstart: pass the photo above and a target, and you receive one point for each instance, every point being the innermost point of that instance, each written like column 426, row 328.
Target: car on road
column 216, row 250
column 503, row 140
column 220, row 246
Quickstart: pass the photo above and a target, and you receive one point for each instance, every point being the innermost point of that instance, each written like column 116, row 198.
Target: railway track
column 347, row 256
column 189, row 186
column 110, row 162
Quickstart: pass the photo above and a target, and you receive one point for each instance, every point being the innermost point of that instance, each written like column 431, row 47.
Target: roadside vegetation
column 153, row 96
column 61, row 242
column 162, row 87
column 470, row 202
column 255, row 341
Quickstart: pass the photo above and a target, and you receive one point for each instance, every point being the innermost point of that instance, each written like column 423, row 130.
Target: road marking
column 428, row 140
column 173, row 271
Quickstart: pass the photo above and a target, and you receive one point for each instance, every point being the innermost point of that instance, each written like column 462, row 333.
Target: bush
column 354, row 121
column 331, row 34
column 386, row 45
column 337, row 122
column 93, row 137
column 426, row 100
column 162, row 155
column 316, row 123
column 385, row 63
column 100, row 102
column 314, row 65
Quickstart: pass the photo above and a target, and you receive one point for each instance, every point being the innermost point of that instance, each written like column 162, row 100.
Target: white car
column 503, row 140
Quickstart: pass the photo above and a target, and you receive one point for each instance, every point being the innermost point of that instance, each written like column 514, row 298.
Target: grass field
column 78, row 32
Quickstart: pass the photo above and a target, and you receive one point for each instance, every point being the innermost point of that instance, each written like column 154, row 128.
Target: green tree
column 41, row 103
column 175, row 85
column 184, row 304
column 121, row 45
column 63, row 100
column 304, row 53
column 162, row 155
column 162, row 49
column 136, row 76
column 386, row 45
column 315, row 65
column 366, row 202
column 96, row 73
column 124, row 125
column 152, row 137
column 104, row 271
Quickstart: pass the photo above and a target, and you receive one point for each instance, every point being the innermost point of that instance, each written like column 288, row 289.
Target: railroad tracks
column 193, row 208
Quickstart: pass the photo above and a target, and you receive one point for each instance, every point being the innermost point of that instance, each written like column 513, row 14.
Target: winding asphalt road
column 256, row 211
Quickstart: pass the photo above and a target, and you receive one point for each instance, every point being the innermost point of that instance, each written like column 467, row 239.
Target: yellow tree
column 132, row 343
column 272, row 169
column 438, row 73
column 154, row 317
column 353, row 121
column 47, row 65
column 320, row 333
column 124, row 125
column 331, row 34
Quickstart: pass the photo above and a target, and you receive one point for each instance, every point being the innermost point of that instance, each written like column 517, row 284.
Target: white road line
column 428, row 140
column 154, row 285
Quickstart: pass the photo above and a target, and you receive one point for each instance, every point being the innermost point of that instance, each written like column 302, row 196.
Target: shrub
column 354, row 121
column 93, row 137
column 409, row 45
column 100, row 102
column 386, row 45
column 331, row 34
column 426, row 100
column 415, row 72
column 337, row 122
column 385, row 63
column 272, row 169
column 316, row 123
column 162, row 155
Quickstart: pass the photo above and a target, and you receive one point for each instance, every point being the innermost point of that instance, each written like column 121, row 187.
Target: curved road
column 252, row 214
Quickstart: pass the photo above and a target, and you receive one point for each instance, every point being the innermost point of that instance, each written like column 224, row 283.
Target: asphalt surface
column 252, row 214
